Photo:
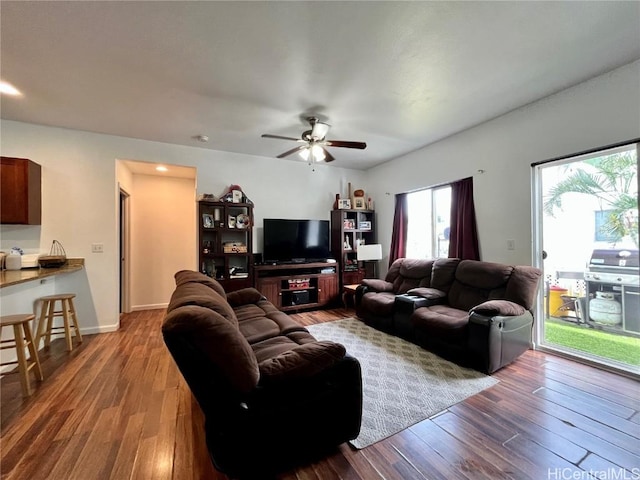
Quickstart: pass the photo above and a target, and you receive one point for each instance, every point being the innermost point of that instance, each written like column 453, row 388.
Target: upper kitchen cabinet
column 20, row 192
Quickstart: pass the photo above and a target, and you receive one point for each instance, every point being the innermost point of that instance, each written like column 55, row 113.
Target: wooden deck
column 117, row 408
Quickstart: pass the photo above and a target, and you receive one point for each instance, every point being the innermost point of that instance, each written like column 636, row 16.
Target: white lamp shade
column 319, row 130
column 315, row 151
column 369, row 252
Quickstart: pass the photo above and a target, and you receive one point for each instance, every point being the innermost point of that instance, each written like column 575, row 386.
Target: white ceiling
column 149, row 168
column 397, row 75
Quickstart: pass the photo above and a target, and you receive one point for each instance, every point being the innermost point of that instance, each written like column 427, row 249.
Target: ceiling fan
column 314, row 143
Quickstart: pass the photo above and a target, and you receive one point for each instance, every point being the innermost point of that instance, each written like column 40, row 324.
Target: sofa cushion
column 219, row 339
column 485, row 275
column 274, row 346
column 198, row 293
column 187, row 276
column 262, row 320
column 443, row 273
column 411, row 274
column 301, row 361
column 243, row 297
column 380, row 304
column 476, row 282
column 523, row 286
column 441, row 321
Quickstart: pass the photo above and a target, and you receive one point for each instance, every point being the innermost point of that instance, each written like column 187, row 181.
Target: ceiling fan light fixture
column 319, row 130
column 314, row 142
column 313, row 153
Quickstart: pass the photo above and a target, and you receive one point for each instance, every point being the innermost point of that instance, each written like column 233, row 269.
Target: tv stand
column 295, row 286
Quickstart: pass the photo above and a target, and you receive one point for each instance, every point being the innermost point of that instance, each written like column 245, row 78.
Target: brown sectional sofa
column 478, row 314
column 272, row 395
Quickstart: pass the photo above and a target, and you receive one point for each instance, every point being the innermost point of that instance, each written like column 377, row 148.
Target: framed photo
column 207, row 220
column 365, row 226
column 348, row 224
column 344, row 203
column 359, row 203
column 236, row 196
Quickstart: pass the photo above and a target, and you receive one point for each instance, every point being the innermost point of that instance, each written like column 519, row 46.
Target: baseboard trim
column 151, row 306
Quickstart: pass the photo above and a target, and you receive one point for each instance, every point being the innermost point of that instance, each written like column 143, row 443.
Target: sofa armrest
column 497, row 340
column 372, row 285
column 502, row 321
column 428, row 293
column 244, row 296
column 492, row 308
column 303, row 361
column 377, row 285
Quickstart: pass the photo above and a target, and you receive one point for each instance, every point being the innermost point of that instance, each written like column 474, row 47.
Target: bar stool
column 67, row 312
column 22, row 338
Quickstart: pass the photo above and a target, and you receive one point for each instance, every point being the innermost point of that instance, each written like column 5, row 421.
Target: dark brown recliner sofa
column 272, row 395
column 478, row 314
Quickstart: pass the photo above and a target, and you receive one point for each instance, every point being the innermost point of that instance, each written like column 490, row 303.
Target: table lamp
column 368, row 253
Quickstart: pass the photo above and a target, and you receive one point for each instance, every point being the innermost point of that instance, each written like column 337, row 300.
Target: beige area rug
column 403, row 384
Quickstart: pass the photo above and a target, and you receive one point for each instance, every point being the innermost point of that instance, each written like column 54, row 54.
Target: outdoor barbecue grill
column 613, row 290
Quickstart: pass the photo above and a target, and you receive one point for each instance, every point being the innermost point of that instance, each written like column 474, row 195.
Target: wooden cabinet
column 225, row 243
column 298, row 286
column 20, row 192
column 349, row 230
column 327, row 288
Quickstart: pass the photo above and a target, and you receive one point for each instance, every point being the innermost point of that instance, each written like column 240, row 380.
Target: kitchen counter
column 14, row 277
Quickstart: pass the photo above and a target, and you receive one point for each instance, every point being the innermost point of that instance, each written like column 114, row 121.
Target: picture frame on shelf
column 344, row 203
column 207, row 220
column 364, row 225
column 242, row 221
column 359, row 203
column 348, row 224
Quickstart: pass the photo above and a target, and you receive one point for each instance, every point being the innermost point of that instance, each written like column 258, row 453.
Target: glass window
column 428, row 225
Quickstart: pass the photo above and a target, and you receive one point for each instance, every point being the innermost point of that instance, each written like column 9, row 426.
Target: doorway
column 124, row 249
column 586, row 236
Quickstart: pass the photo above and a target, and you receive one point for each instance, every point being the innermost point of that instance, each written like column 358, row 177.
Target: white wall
column 80, row 197
column 163, row 237
column 602, row 111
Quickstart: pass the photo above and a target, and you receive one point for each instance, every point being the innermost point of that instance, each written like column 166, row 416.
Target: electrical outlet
column 511, row 244
column 97, row 247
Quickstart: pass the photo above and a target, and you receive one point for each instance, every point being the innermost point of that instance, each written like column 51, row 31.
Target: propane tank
column 605, row 309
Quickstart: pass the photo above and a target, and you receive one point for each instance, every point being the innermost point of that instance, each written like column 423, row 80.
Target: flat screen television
column 295, row 241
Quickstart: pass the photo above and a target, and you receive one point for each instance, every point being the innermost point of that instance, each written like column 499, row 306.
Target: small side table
column 349, row 292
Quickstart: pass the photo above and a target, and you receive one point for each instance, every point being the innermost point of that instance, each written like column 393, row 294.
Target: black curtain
column 399, row 235
column 463, row 242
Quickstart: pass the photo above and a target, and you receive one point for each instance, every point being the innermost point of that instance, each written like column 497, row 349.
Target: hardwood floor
column 117, row 408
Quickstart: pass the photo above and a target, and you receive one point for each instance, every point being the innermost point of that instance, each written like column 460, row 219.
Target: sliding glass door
column 586, row 237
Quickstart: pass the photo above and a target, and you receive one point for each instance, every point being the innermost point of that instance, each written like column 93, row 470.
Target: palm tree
column 612, row 179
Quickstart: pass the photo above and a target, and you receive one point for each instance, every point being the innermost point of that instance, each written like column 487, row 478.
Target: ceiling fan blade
column 266, row 135
column 342, row 143
column 292, row 151
column 327, row 156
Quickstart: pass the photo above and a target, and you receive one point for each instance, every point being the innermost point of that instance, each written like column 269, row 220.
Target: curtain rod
column 587, row 152
column 480, row 171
